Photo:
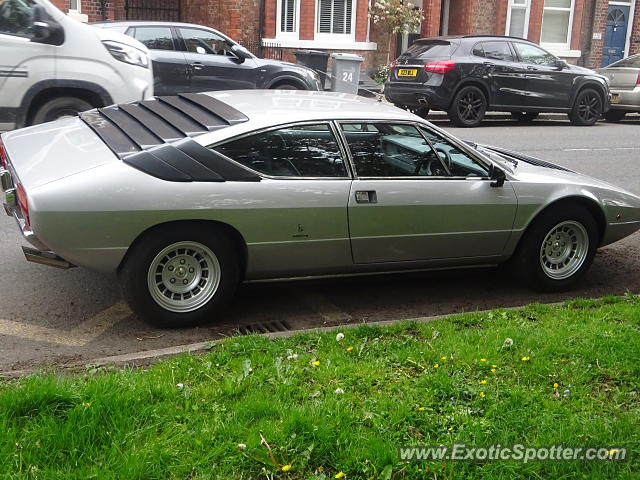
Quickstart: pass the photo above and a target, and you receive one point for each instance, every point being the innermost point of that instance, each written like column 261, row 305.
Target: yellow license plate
column 407, row 72
column 615, row 97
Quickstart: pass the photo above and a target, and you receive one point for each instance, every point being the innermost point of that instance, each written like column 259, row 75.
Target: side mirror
column 45, row 29
column 497, row 176
column 240, row 52
column 561, row 64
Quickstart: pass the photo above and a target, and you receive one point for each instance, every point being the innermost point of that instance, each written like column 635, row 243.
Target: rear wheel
column 180, row 277
column 59, row 108
column 468, row 107
column 558, row 248
column 525, row 117
column 614, row 115
column 587, row 109
column 286, row 86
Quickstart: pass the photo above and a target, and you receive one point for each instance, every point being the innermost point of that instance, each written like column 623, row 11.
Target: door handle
column 366, row 196
column 529, row 67
column 197, row 66
column 490, row 65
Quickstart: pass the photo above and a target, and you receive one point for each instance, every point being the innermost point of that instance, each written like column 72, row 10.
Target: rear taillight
column 638, row 80
column 443, row 66
column 3, row 155
column 23, row 204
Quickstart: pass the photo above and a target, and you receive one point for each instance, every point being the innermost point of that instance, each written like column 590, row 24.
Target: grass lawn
column 340, row 409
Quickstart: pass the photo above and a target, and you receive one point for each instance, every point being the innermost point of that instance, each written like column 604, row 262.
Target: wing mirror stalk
column 45, row 29
column 497, row 176
column 241, row 53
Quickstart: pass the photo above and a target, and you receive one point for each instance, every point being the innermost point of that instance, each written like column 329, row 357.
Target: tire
column 614, row 115
column 422, row 112
column 468, row 107
column 204, row 260
column 60, row 107
column 286, row 86
column 575, row 243
column 587, row 108
column 524, row 117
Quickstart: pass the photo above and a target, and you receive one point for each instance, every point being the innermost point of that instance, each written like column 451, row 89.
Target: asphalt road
column 54, row 317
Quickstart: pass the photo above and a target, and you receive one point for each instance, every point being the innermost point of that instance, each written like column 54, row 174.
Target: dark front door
column 212, row 64
column 548, row 84
column 615, row 35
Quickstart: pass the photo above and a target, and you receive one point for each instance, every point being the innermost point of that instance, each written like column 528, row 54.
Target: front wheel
column 587, row 109
column 180, row 277
column 557, row 249
column 59, row 108
column 468, row 107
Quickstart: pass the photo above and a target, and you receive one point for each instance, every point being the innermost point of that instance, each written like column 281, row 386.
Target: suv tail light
column 441, row 67
column 637, row 81
column 3, row 155
column 23, row 204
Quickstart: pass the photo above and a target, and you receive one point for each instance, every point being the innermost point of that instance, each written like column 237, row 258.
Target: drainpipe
column 260, row 27
column 103, row 10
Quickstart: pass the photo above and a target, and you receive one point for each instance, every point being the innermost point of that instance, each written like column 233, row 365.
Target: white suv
column 53, row 66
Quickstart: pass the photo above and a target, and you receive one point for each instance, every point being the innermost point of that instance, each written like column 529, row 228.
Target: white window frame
column 336, row 37
column 288, row 35
column 76, row 10
column 565, row 45
column 527, row 13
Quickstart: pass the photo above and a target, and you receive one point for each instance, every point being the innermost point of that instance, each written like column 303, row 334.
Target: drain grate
column 267, row 327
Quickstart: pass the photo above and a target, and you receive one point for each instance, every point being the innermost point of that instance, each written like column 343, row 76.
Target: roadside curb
column 148, row 357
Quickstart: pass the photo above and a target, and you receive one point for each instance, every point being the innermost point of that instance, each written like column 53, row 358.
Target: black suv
column 193, row 58
column 469, row 75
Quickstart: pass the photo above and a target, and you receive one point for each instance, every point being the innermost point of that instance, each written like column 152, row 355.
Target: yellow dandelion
column 315, row 363
column 494, row 366
column 443, row 358
column 525, row 359
column 286, row 468
column 555, row 385
column 349, row 348
column 436, row 365
column 86, row 404
column 483, row 382
column 339, row 475
column 483, row 359
column 482, row 395
column 421, row 408
column 493, row 370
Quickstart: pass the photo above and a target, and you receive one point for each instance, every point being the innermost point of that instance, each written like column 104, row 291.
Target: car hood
column 284, row 65
column 48, row 152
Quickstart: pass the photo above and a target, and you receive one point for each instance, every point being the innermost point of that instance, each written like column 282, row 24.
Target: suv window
column 497, row 51
column 204, row 42
column 457, row 162
column 15, row 17
column 429, row 49
column 630, row 62
column 154, row 38
column 533, row 55
column 295, row 151
column 391, row 150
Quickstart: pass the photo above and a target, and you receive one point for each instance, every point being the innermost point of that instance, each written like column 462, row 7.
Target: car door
column 295, row 221
column 505, row 75
column 212, row 64
column 170, row 70
column 549, row 85
column 23, row 62
column 419, row 196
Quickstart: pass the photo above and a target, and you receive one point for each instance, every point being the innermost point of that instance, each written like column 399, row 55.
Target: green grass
column 185, row 417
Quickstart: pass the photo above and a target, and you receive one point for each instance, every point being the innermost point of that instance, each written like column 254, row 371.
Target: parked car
column 53, row 66
column 466, row 76
column 185, row 196
column 193, row 58
column 624, row 82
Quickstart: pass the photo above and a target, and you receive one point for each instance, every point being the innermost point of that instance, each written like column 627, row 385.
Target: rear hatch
column 431, row 53
column 623, row 75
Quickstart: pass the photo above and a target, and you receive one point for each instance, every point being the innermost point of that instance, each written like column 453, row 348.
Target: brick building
column 587, row 32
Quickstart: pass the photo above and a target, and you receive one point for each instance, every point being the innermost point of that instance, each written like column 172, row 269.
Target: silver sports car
column 186, row 196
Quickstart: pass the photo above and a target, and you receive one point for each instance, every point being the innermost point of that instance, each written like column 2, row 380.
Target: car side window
column 478, row 51
column 459, row 163
column 15, row 17
column 630, row 62
column 295, row 151
column 154, row 38
column 382, row 149
column 204, row 42
column 533, row 55
column 497, row 51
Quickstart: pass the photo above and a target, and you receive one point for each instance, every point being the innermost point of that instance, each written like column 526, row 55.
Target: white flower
column 180, row 386
column 508, row 342
column 242, row 446
column 339, row 337
column 339, row 391
column 292, row 357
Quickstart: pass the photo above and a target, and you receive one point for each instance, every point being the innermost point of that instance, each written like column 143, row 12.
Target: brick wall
column 484, row 17
column 599, row 26
column 431, row 24
column 634, row 46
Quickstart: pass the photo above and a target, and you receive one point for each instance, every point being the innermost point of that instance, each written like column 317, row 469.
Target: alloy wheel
column 184, row 276
column 564, row 250
column 589, row 107
column 470, row 106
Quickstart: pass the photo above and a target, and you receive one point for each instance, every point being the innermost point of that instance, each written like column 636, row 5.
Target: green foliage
column 310, row 407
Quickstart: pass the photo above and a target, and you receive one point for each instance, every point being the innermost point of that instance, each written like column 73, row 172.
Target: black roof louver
column 155, row 136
